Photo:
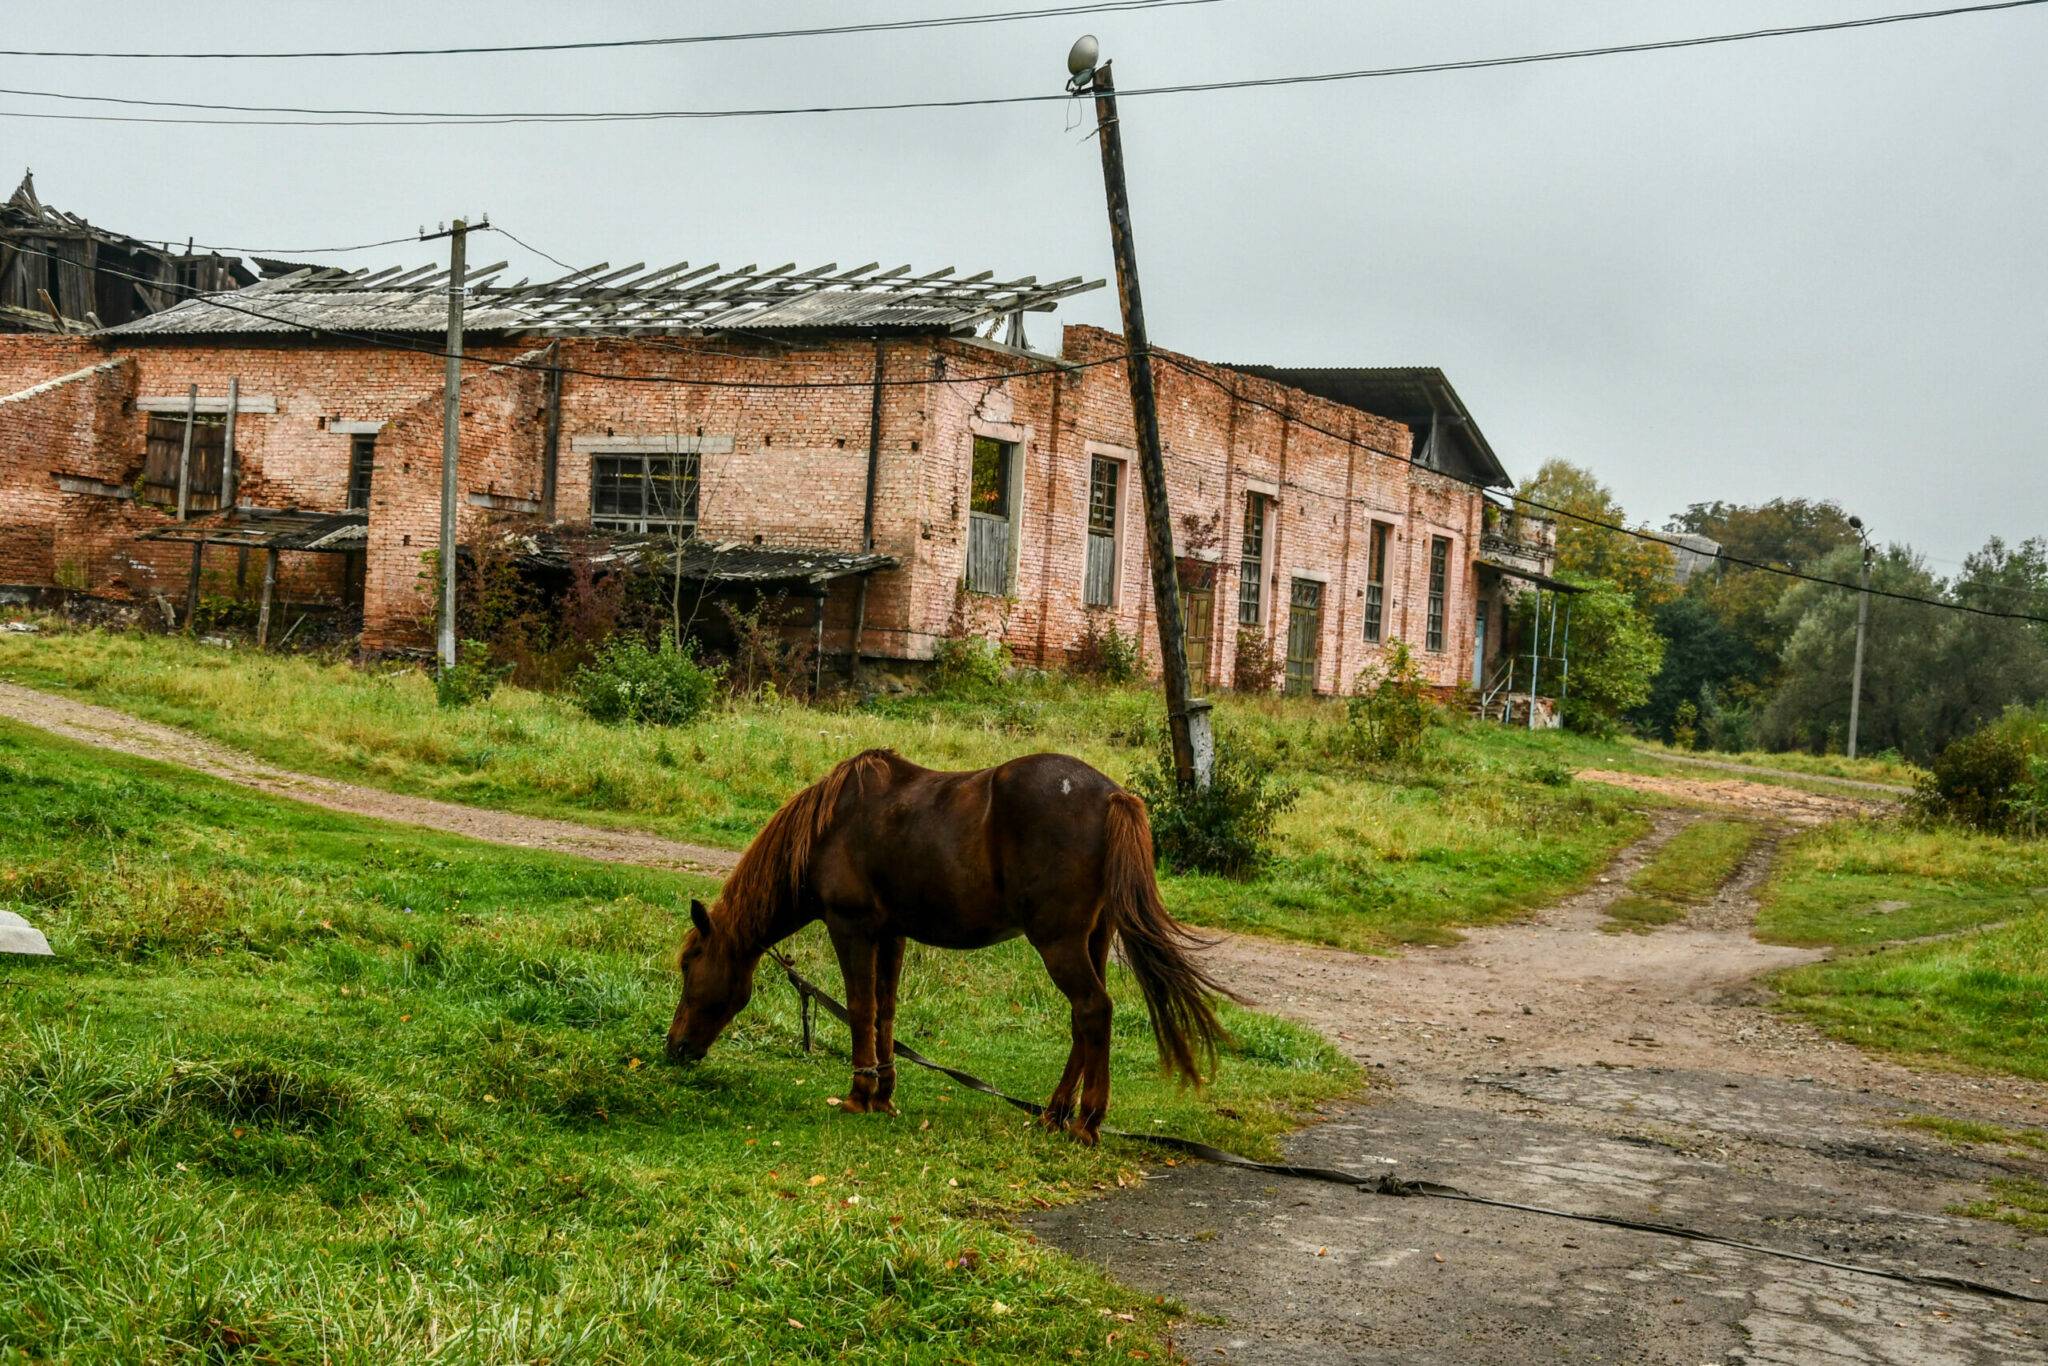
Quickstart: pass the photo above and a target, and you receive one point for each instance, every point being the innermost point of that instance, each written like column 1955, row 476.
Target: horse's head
column 718, row 979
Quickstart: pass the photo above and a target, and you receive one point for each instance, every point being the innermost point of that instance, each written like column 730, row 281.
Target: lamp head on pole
column 1082, row 59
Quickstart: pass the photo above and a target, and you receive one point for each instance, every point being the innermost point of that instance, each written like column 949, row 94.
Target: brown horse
column 883, row 851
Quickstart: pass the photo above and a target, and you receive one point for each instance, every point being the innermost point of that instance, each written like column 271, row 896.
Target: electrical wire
column 368, row 339
column 684, row 40
column 1167, row 358
column 1063, row 367
column 377, row 118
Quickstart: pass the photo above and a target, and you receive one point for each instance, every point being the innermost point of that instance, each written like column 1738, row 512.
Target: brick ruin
column 1009, row 502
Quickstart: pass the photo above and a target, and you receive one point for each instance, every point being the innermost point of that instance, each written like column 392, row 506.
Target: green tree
column 1614, row 652
column 1581, row 504
column 1702, row 656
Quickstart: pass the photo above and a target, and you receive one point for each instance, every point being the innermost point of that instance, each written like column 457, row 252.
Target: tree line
column 1737, row 658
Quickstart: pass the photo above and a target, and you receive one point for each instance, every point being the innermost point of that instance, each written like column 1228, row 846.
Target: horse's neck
column 758, row 936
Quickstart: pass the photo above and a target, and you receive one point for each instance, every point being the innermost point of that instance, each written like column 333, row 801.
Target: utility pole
column 1862, row 626
column 1187, row 720
column 451, row 432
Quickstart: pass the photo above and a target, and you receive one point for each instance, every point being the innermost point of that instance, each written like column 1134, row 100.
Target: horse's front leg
column 857, row 967
column 888, row 971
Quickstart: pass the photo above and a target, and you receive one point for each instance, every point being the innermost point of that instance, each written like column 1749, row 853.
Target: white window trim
column 175, row 405
column 356, row 428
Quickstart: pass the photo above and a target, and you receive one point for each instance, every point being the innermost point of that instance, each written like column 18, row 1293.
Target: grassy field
column 1367, row 858
column 1687, row 870
column 1977, row 993
column 1887, row 769
column 304, row 1087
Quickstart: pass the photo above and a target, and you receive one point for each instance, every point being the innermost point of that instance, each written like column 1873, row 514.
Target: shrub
column 1256, row 666
column 471, row 678
column 1994, row 780
column 1103, row 652
column 1226, row 827
column 1685, row 725
column 767, row 659
column 630, row 684
column 969, row 665
column 1389, row 718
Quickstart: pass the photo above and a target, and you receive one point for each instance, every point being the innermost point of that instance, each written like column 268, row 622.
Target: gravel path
column 125, row 734
column 1557, row 1063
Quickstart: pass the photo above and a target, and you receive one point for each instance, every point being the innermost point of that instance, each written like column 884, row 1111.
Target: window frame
column 1439, row 593
column 362, row 469
column 1251, row 584
column 689, row 469
column 1118, row 469
column 1379, row 542
column 209, row 432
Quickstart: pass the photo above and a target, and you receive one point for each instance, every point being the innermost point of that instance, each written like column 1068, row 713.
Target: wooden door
column 1304, row 635
column 1198, row 607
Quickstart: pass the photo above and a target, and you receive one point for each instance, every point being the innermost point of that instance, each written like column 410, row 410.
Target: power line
column 821, row 31
column 377, row 118
column 1639, row 533
column 367, row 339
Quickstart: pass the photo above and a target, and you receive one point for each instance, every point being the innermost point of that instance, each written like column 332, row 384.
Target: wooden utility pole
column 185, row 455
column 226, row 501
column 1862, row 626
column 1187, row 719
column 451, row 444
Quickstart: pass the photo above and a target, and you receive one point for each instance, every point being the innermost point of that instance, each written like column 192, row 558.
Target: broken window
column 1251, row 573
column 166, row 453
column 990, row 526
column 362, row 460
column 1439, row 576
column 643, row 493
column 1376, row 582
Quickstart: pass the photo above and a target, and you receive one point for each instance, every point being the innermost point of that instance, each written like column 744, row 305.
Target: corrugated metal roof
column 271, row 529
column 702, row 561
column 598, row 301
column 1419, row 396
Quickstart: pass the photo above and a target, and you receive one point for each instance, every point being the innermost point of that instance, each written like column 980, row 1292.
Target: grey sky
column 1805, row 266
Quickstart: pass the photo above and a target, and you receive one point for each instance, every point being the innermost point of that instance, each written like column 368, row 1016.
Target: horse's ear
column 700, row 917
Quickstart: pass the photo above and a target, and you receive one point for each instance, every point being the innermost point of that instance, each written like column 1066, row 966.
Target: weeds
column 1390, row 716
column 1103, row 652
column 1224, row 828
column 472, row 678
column 630, row 684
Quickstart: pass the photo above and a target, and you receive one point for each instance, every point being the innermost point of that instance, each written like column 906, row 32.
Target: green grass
column 1974, row 991
column 1685, row 871
column 1977, row 1131
column 1862, row 769
column 2020, row 1201
column 299, row 1086
column 1367, row 859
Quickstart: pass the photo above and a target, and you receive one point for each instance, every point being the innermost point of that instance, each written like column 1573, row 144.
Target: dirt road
column 125, row 734
column 1556, row 1063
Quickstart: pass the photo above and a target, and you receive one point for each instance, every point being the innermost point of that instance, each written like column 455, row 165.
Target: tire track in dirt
column 105, row 728
column 1555, row 1062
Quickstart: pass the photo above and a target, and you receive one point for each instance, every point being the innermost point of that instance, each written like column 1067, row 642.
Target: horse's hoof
column 1053, row 1121
column 1083, row 1136
column 853, row 1107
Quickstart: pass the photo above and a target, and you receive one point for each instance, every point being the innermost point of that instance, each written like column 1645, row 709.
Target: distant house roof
column 1419, row 396
column 600, row 301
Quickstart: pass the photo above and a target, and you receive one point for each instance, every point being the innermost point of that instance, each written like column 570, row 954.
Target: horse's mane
column 771, row 872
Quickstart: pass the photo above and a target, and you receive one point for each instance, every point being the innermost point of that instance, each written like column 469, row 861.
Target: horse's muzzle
column 684, row 1054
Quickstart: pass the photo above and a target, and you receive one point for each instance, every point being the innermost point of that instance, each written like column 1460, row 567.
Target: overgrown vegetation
column 1686, row 871
column 1391, row 712
column 969, row 666
column 1105, row 653
column 1224, row 828
column 1954, row 928
column 301, row 1087
column 627, row 683
column 1995, row 780
column 1363, row 858
column 472, row 678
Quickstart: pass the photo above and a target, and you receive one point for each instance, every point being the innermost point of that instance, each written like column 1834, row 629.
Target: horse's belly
column 961, row 936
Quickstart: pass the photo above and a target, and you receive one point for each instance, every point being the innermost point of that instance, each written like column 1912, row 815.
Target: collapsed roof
column 599, row 301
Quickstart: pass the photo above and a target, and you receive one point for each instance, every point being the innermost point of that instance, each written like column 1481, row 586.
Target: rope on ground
column 1389, row 1184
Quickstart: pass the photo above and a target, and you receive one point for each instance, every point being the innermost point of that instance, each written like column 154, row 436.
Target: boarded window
column 1251, row 574
column 1439, row 574
column 166, row 451
column 1105, row 482
column 644, row 493
column 1376, row 583
column 991, row 531
column 362, row 461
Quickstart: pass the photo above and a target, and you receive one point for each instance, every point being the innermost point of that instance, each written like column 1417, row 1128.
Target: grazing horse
column 883, row 851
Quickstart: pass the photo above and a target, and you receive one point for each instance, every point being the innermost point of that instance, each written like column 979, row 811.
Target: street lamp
column 1862, row 624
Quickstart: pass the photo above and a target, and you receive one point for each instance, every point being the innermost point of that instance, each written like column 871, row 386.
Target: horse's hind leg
column 888, row 971
column 1072, row 962
column 1060, row 1108
column 857, row 967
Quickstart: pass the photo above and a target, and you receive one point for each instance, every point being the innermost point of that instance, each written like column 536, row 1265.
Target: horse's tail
column 1156, row 947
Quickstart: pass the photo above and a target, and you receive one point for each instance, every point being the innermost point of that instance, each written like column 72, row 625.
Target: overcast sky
column 1805, row 266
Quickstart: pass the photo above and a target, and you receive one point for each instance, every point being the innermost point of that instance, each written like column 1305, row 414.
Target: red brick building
column 1334, row 512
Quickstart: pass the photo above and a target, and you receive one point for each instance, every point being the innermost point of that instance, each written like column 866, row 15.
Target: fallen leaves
column 817, row 1180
